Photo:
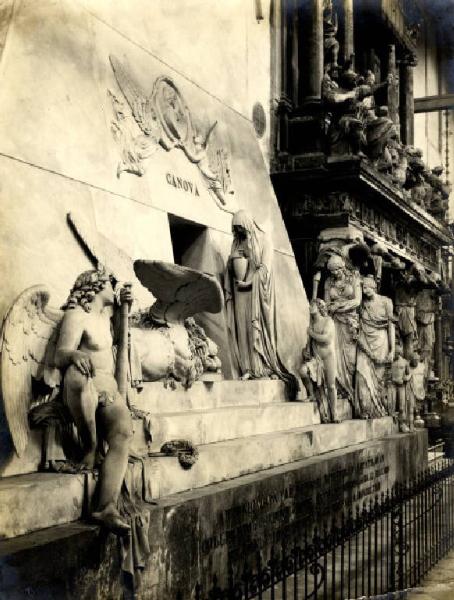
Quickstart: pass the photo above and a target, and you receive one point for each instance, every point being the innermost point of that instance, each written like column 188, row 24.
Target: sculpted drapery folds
column 250, row 304
column 343, row 298
column 405, row 309
column 375, row 351
column 347, row 130
column 425, row 321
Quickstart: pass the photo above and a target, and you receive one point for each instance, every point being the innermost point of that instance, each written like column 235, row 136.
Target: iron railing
column 436, row 452
column 383, row 545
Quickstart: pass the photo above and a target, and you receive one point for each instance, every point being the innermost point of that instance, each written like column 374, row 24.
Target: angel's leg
column 117, row 427
column 82, row 401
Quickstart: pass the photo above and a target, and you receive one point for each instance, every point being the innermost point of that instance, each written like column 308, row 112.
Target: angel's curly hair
column 85, row 288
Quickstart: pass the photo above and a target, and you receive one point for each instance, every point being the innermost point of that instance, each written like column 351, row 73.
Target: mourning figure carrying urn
column 250, row 304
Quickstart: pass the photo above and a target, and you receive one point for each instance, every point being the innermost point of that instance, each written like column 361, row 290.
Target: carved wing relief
column 28, row 338
column 164, row 120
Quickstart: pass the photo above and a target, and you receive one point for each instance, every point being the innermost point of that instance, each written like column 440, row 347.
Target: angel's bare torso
column 96, row 339
column 84, row 348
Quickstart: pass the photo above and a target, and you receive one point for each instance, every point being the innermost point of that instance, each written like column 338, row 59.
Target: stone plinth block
column 232, row 458
column 156, row 399
column 197, row 533
column 39, row 500
column 60, row 498
column 215, row 425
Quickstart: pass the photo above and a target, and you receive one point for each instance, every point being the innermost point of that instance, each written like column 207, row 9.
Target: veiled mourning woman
column 375, row 351
column 250, row 304
column 343, row 297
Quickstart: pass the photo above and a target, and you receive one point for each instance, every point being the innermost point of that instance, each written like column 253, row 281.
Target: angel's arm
column 322, row 338
column 66, row 352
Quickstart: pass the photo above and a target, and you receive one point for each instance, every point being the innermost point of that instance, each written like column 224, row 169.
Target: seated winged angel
column 74, row 352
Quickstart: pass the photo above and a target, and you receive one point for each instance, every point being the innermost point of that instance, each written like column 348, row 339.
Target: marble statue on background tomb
column 375, row 351
column 343, row 296
column 415, row 183
column 330, row 27
column 346, row 131
column 87, row 373
column 438, row 197
column 250, row 304
column 381, row 132
column 400, row 376
column 399, row 162
column 319, row 369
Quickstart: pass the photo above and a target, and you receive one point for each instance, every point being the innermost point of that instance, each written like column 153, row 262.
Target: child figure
column 400, row 376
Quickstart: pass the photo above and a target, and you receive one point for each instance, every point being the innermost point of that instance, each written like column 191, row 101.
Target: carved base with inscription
column 198, row 528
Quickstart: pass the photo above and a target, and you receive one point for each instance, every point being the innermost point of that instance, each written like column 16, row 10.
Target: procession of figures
column 368, row 357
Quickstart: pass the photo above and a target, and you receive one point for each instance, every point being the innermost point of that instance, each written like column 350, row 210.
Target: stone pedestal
column 195, row 534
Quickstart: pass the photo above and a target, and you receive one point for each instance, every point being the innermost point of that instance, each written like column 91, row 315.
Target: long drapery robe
column 251, row 313
column 346, row 324
column 373, row 351
column 425, row 319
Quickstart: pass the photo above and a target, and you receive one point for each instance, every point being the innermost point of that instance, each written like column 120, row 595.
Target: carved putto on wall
column 147, row 122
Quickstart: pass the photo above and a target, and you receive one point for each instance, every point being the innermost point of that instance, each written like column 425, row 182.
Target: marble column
column 349, row 48
column 393, row 86
column 407, row 104
column 315, row 66
column 438, row 350
column 284, row 52
column 285, row 105
column 295, row 41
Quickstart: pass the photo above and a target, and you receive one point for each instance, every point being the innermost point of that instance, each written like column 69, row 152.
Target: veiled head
column 242, row 223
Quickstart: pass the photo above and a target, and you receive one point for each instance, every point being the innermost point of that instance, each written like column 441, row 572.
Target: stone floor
column 439, row 582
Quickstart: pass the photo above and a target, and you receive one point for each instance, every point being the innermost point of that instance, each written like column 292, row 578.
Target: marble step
column 230, row 459
column 203, row 395
column 40, row 500
column 219, row 424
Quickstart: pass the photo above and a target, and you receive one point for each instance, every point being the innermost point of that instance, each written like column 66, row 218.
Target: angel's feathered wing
column 181, row 292
column 27, row 344
column 141, row 105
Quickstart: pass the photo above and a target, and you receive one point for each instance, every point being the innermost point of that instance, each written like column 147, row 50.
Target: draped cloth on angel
column 251, row 313
column 103, row 386
column 373, row 350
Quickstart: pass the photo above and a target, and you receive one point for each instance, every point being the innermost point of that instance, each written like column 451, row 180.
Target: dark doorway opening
column 184, row 235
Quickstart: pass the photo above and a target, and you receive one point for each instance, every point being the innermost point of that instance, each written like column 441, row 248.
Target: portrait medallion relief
column 259, row 119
